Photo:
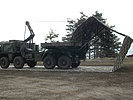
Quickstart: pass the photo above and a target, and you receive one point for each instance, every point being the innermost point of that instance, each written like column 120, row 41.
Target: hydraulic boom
column 30, row 38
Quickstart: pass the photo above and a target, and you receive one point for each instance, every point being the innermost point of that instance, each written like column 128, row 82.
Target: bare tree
column 52, row 36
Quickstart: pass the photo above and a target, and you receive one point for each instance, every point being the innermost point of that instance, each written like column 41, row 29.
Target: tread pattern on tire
column 49, row 62
column 18, row 62
column 4, row 62
column 66, row 60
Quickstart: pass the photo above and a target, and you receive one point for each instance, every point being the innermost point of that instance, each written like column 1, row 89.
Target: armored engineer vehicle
column 61, row 54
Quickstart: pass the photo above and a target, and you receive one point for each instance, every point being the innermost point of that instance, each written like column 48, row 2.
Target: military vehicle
column 61, row 54
column 66, row 54
column 19, row 52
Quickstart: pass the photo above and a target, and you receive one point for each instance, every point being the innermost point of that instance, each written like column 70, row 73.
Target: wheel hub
column 64, row 62
column 17, row 62
column 48, row 62
column 3, row 62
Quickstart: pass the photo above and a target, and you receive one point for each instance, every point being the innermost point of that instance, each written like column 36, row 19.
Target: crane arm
column 30, row 38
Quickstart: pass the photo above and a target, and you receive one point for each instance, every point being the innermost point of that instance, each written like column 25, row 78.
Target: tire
column 4, row 62
column 18, row 62
column 49, row 62
column 64, row 62
column 31, row 64
column 75, row 64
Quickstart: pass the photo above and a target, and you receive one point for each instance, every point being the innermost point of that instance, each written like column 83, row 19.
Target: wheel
column 4, row 62
column 75, row 64
column 64, row 62
column 18, row 62
column 49, row 62
column 31, row 64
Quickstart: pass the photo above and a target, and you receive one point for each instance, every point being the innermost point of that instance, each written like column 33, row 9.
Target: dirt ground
column 40, row 85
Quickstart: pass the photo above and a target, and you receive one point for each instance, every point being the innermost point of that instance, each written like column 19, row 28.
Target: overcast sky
column 14, row 13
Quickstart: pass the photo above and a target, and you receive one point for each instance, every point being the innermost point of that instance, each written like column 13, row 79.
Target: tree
column 72, row 25
column 51, row 36
column 108, row 45
column 104, row 47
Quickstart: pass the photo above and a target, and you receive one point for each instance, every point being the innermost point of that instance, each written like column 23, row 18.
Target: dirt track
column 39, row 85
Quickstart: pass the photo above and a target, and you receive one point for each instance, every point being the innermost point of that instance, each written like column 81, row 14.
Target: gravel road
column 35, row 84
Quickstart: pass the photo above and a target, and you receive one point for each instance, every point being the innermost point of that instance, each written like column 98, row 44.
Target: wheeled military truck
column 19, row 52
column 66, row 54
column 61, row 54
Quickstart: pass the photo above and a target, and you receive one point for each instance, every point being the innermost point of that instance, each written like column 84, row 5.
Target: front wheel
column 64, row 62
column 49, row 62
column 4, row 62
column 18, row 62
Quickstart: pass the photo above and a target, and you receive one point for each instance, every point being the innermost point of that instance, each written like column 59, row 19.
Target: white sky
column 14, row 13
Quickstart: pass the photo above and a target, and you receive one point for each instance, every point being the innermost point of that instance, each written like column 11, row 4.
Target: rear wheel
column 75, row 64
column 18, row 62
column 4, row 62
column 49, row 62
column 31, row 64
column 64, row 62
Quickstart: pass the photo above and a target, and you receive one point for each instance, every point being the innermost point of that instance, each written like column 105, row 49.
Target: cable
column 50, row 21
